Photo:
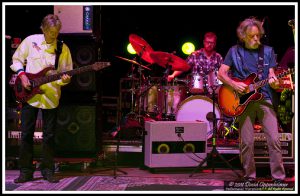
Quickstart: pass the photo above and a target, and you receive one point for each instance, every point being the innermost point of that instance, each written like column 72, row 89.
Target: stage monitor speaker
column 175, row 144
column 84, row 52
column 76, row 131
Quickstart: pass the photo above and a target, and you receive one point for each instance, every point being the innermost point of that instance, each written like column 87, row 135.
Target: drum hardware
column 185, row 81
column 196, row 84
column 214, row 152
column 133, row 119
column 134, row 62
column 168, row 61
column 167, row 72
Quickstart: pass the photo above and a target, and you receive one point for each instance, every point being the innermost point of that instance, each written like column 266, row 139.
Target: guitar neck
column 265, row 81
column 51, row 78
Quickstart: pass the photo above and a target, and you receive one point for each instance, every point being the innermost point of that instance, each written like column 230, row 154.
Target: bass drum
column 198, row 108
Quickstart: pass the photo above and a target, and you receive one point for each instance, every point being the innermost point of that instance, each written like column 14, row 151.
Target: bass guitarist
column 248, row 57
column 39, row 52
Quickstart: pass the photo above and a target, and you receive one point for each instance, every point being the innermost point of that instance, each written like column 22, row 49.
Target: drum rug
column 85, row 182
column 109, row 183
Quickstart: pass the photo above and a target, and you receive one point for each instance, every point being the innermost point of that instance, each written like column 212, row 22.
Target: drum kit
column 155, row 99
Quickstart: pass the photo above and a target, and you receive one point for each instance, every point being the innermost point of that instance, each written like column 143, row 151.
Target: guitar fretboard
column 264, row 82
column 43, row 80
column 50, row 78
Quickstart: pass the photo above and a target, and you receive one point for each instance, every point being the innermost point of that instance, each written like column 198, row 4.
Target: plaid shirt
column 201, row 64
column 205, row 67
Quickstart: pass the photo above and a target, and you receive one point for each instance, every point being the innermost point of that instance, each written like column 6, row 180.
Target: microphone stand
column 214, row 152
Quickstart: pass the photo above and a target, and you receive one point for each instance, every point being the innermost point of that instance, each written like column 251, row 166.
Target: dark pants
column 28, row 122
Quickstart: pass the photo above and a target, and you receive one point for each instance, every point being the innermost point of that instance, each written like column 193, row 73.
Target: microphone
column 210, row 116
column 291, row 23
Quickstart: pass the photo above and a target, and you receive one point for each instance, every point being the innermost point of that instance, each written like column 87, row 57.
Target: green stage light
column 188, row 48
column 130, row 49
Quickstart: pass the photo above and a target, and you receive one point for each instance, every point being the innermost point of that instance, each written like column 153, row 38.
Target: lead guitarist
column 38, row 52
column 240, row 61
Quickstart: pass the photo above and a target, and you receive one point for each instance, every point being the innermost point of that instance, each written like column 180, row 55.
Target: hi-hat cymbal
column 141, row 47
column 134, row 62
column 163, row 59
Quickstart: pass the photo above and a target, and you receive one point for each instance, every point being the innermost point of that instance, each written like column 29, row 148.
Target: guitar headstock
column 100, row 65
column 289, row 71
column 286, row 72
column 292, row 70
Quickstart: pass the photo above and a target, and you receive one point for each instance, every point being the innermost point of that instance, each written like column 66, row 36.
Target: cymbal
column 141, row 47
column 134, row 62
column 163, row 59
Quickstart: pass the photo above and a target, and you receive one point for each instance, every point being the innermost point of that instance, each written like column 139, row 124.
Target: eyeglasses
column 212, row 43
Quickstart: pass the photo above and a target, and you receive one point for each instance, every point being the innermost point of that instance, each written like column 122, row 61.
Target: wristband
column 19, row 70
column 21, row 73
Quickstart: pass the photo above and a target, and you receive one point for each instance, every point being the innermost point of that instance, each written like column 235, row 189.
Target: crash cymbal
column 141, row 47
column 134, row 62
column 163, row 59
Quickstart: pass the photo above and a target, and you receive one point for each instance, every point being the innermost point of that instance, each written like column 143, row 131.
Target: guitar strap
column 260, row 64
column 58, row 52
column 260, row 67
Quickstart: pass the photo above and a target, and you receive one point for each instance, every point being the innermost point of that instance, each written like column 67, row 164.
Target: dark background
column 165, row 28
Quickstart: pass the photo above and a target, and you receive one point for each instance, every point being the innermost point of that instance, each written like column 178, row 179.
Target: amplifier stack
column 261, row 153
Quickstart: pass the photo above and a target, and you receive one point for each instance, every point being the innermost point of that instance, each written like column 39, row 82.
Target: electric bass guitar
column 233, row 104
column 36, row 80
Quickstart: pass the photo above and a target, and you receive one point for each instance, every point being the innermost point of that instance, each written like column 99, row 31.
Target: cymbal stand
column 115, row 165
column 139, row 97
column 116, row 157
column 165, row 78
column 132, row 90
column 214, row 152
column 130, row 114
column 140, row 90
column 116, row 154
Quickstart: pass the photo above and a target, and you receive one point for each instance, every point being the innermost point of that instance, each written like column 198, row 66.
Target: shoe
column 23, row 178
column 51, row 178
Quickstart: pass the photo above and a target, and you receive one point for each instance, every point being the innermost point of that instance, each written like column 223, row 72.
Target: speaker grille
column 76, row 131
column 84, row 52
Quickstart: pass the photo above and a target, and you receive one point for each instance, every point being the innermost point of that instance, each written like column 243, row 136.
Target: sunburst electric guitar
column 36, row 80
column 233, row 104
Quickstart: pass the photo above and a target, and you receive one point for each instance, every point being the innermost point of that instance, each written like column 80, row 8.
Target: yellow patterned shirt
column 35, row 55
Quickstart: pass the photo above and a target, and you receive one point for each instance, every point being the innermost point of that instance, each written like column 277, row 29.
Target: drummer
column 204, row 62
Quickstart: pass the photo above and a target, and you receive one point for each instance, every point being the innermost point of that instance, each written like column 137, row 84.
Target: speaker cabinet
column 84, row 52
column 76, row 132
column 175, row 144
